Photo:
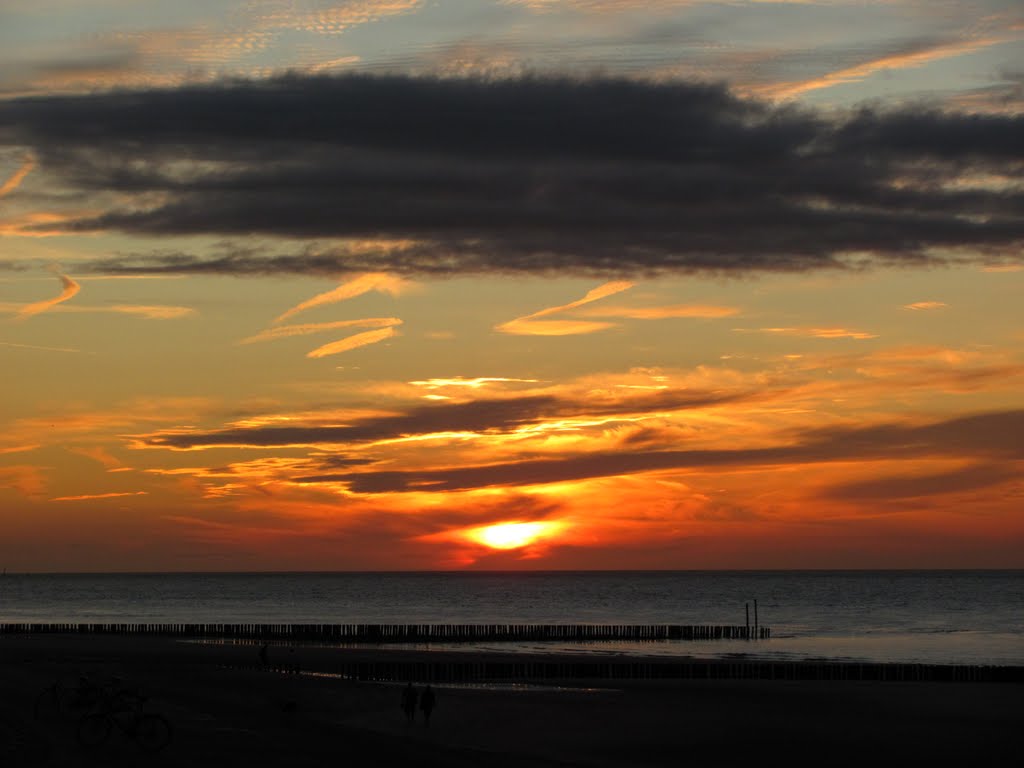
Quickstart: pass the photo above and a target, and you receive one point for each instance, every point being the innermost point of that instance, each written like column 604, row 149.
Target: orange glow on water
column 512, row 535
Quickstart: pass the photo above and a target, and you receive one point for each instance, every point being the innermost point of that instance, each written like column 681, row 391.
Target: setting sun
column 511, row 535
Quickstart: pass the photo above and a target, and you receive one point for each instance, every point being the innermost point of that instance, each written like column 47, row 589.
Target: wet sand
column 226, row 711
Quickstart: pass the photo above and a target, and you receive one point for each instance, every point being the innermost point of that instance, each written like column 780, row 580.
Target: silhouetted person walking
column 427, row 704
column 409, row 703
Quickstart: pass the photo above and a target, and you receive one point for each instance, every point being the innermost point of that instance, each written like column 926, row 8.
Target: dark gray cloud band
column 989, row 436
column 596, row 176
column 484, row 416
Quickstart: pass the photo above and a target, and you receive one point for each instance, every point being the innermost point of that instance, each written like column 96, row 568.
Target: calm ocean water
column 961, row 617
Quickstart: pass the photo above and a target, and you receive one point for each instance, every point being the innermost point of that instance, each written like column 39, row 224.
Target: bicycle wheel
column 93, row 730
column 153, row 732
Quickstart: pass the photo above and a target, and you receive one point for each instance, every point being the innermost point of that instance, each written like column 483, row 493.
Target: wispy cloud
column 37, row 224
column 92, row 496
column 327, row 65
column 228, row 44
column 353, row 342
column 70, row 289
column 604, row 6
column 27, row 479
column 332, row 18
column 18, row 448
column 917, row 305
column 475, row 383
column 378, row 281
column 1003, row 268
column 40, row 348
column 662, row 313
column 817, row 333
column 18, row 176
column 101, row 455
column 287, row 331
column 87, row 278
column 525, row 327
column 531, row 326
column 145, row 311
column 906, row 60
column 436, row 386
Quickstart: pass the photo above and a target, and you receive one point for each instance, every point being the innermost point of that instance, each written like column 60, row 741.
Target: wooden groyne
column 408, row 633
column 485, row 668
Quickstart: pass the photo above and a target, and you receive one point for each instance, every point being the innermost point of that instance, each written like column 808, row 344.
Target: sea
column 928, row 617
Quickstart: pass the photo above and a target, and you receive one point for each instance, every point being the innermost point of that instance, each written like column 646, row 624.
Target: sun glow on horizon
column 512, row 535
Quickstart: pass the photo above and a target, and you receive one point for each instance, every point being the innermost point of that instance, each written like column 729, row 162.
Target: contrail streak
column 18, row 176
column 286, row 331
column 70, row 289
column 372, row 281
column 531, row 326
column 352, row 342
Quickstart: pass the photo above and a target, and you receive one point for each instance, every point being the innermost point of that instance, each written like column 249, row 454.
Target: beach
column 226, row 708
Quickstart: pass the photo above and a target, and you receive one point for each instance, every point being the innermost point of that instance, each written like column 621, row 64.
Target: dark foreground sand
column 223, row 714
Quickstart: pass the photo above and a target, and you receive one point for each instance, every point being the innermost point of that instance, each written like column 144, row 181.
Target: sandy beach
column 225, row 710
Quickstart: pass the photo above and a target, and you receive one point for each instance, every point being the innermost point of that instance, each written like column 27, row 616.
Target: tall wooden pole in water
column 755, row 616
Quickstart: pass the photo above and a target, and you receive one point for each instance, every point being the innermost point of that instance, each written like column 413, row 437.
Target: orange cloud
column 725, row 461
column 167, row 57
column 526, row 327
column 40, row 223
column 92, row 496
column 372, row 281
column 287, row 331
column 926, row 305
column 353, row 342
column 1004, row 268
column 529, row 326
column 607, row 289
column 818, row 333
column 18, row 448
column 336, row 19
column 100, row 455
column 60, row 424
column 18, row 176
column 36, row 346
column 145, row 311
column 476, row 383
column 70, row 289
column 606, row 6
column 661, row 313
column 884, row 63
column 25, row 479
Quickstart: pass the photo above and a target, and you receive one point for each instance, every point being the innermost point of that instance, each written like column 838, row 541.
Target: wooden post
column 747, row 606
column 755, row 616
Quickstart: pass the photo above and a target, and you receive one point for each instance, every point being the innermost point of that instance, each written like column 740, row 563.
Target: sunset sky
column 516, row 284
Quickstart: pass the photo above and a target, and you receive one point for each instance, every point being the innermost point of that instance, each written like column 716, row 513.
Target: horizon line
column 500, row 571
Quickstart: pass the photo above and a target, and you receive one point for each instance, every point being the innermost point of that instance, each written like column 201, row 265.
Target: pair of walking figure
column 409, row 700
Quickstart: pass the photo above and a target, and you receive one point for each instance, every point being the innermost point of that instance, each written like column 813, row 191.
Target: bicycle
column 124, row 711
column 56, row 700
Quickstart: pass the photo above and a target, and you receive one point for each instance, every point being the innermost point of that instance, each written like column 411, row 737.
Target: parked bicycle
column 59, row 700
column 124, row 711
